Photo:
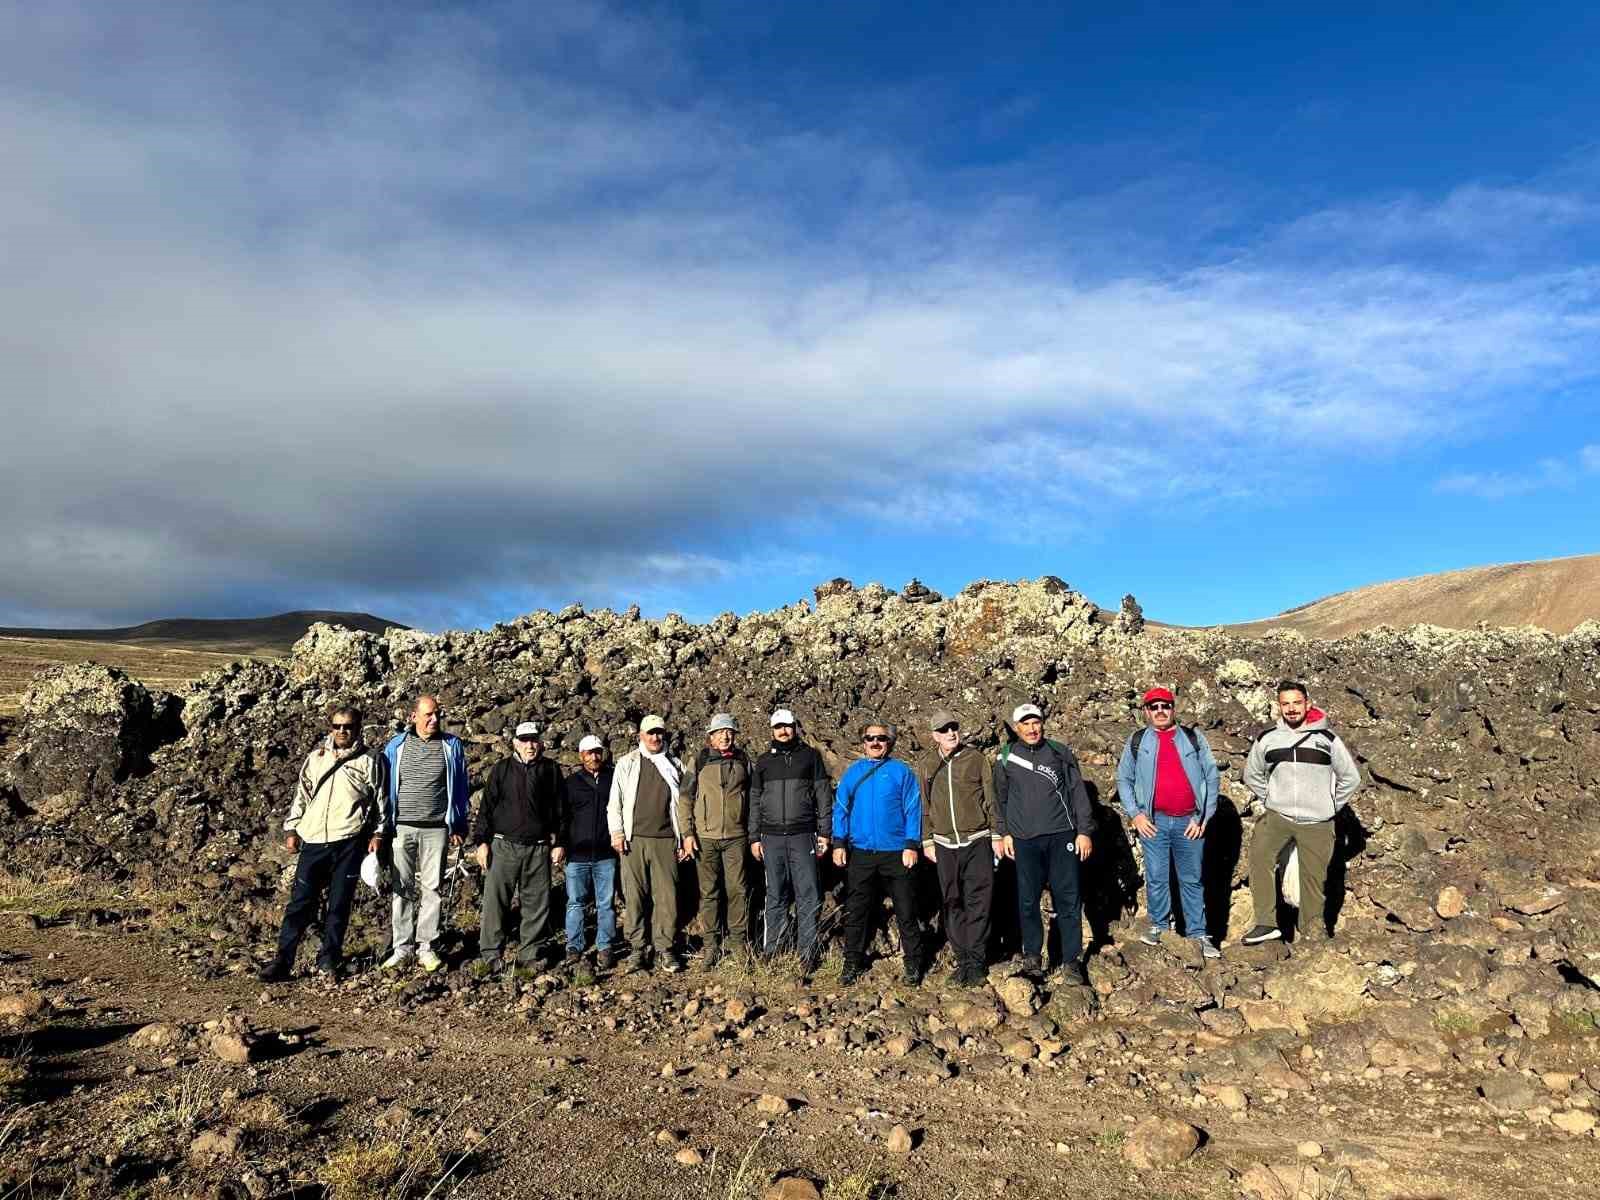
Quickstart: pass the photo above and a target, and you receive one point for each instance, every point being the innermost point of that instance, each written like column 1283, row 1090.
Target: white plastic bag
column 1291, row 877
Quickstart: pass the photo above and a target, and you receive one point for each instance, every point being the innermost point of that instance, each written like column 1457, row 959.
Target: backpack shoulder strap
column 1135, row 740
column 1194, row 738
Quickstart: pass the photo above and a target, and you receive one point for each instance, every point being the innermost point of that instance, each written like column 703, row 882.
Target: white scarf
column 667, row 768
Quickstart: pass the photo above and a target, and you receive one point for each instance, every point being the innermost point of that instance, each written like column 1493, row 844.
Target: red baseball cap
column 1158, row 693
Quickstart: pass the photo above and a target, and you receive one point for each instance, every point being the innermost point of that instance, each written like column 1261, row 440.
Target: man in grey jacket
column 1303, row 773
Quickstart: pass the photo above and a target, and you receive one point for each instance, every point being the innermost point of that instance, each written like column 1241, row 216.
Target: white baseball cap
column 1022, row 711
column 722, row 721
column 783, row 717
column 527, row 729
column 590, row 742
column 651, row 722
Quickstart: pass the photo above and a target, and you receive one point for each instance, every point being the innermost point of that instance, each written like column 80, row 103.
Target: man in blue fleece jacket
column 877, row 836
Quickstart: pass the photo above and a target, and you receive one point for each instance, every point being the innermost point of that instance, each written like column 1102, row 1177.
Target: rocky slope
column 1557, row 594
column 1467, row 891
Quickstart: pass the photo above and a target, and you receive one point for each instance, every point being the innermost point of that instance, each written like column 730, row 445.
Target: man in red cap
column 1167, row 782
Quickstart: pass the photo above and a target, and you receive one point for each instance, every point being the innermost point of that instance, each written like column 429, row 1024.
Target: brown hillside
column 1556, row 594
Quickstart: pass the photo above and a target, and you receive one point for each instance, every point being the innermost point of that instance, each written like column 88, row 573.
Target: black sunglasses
column 344, row 725
column 876, row 737
column 1159, row 706
column 951, row 728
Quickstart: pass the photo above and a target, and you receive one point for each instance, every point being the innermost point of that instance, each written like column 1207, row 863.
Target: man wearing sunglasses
column 790, row 799
column 516, row 839
column 331, row 825
column 957, row 837
column 877, row 832
column 1167, row 783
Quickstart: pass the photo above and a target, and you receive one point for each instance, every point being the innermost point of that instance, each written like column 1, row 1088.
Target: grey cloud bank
column 429, row 336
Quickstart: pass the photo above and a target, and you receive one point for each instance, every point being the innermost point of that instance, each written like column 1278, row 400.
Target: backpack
column 1188, row 732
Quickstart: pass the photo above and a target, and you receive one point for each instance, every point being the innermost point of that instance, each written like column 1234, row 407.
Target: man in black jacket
column 791, row 802
column 516, row 835
column 591, row 874
column 1045, row 824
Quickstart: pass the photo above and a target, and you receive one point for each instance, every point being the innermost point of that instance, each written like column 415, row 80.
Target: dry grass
column 152, row 664
column 146, row 1113
column 62, row 892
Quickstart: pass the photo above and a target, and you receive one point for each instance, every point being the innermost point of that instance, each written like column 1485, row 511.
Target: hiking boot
column 1152, row 936
column 1261, row 933
column 1032, row 967
column 1074, row 973
column 852, row 973
column 958, row 976
column 977, row 974
column 1208, row 948
column 276, row 971
column 428, row 960
column 711, row 955
column 332, row 972
column 643, row 963
column 395, row 961
column 669, row 963
column 911, row 976
column 605, row 960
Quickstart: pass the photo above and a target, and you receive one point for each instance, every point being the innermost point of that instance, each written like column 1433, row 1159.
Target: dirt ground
column 593, row 1087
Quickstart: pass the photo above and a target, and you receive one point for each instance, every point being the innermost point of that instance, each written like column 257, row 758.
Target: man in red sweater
column 1167, row 782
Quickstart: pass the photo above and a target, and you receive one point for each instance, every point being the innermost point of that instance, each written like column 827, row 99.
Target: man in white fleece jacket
column 1304, row 774
column 331, row 824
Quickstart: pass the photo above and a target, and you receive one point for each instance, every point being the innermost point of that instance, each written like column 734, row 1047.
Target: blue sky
column 452, row 311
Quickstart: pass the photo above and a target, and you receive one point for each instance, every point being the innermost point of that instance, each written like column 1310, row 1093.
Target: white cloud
column 430, row 329
column 1589, row 456
column 1546, row 474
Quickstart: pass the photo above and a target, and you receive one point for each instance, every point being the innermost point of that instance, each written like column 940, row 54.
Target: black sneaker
column 1261, row 933
column 275, row 971
column 852, row 972
column 1074, row 973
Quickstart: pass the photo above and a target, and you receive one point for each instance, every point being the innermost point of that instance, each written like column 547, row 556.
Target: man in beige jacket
column 645, row 816
column 331, row 825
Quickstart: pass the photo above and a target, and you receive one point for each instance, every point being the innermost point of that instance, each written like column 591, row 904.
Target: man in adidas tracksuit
column 1167, row 782
column 1303, row 773
column 1045, row 823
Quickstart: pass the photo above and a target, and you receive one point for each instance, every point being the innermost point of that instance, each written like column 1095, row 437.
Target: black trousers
column 966, row 890
column 867, row 872
column 334, row 867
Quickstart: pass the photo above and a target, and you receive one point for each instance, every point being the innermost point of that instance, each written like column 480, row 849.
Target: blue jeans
column 1050, row 858
column 790, row 861
column 1169, row 846
column 594, row 882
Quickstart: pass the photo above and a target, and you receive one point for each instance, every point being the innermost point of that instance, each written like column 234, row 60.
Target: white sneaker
column 396, row 960
column 429, row 961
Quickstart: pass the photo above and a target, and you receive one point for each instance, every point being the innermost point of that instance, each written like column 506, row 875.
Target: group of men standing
column 648, row 816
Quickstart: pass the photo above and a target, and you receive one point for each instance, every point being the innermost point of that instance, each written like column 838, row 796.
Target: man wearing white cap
column 519, row 820
column 645, row 818
column 591, row 871
column 791, row 800
column 1045, row 823
column 717, row 834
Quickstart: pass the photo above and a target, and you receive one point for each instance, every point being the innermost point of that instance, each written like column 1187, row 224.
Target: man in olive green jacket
column 715, row 815
column 958, row 838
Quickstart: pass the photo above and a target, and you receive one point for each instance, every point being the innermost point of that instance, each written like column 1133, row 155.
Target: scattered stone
column 1450, row 902
column 1508, row 1092
column 233, row 1048
column 156, row 1034
column 791, row 1187
column 670, row 1137
column 1309, row 1149
column 214, row 1146
column 1019, row 995
column 688, row 1157
column 773, row 1106
column 1574, row 1120
column 1160, row 1142
column 22, row 1006
column 899, row 1141
column 900, row 1045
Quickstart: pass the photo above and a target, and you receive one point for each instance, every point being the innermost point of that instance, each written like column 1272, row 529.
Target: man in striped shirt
column 426, row 812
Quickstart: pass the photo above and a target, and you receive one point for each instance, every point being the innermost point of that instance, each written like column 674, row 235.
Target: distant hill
column 249, row 635
column 1555, row 594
